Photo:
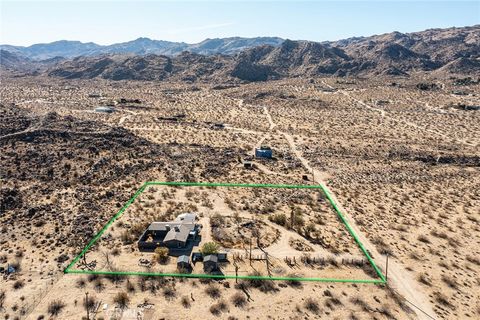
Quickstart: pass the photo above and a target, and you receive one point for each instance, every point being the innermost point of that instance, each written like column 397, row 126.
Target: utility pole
column 87, row 304
column 386, row 270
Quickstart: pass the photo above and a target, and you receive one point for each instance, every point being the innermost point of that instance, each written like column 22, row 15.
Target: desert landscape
column 394, row 142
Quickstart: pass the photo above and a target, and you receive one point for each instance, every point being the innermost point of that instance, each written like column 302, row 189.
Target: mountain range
column 449, row 51
column 140, row 46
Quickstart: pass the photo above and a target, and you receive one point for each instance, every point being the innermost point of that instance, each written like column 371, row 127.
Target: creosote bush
column 121, row 299
column 312, row 305
column 55, row 307
column 185, row 302
column 238, row 300
column 213, row 291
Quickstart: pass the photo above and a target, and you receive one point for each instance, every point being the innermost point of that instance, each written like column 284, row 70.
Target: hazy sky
column 106, row 22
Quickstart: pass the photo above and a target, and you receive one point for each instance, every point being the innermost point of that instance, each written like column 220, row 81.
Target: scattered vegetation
column 210, row 248
column 161, row 254
column 185, row 301
column 218, row 307
column 312, row 306
column 238, row 299
column 213, row 291
column 55, row 307
column 121, row 299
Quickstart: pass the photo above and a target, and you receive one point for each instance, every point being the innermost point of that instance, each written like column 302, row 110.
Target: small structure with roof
column 183, row 262
column 105, row 109
column 264, row 152
column 210, row 263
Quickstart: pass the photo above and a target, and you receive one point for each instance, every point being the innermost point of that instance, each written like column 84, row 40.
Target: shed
column 210, row 263
column 263, row 152
column 104, row 109
column 183, row 262
column 247, row 165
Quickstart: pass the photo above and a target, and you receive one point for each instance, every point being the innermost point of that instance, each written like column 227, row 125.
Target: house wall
column 174, row 244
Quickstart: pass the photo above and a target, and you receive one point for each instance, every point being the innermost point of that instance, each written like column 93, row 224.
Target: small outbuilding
column 183, row 263
column 210, row 263
column 248, row 165
column 264, row 152
column 106, row 109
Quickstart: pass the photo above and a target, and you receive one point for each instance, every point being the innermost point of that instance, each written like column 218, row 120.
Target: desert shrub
column 474, row 260
column 280, row 219
column 360, row 302
column 261, row 284
column 452, row 283
column 298, row 220
column 18, row 284
column 89, row 303
column 209, row 248
column 127, row 237
column 312, row 305
column 427, row 86
column 423, row 238
column 169, row 292
column 98, row 285
column 443, row 299
column 55, row 307
column 238, row 299
column 185, row 301
column 217, row 220
column 161, row 254
column 121, row 299
column 423, row 278
column 218, row 307
column 213, row 291
column 114, row 277
column 137, row 229
column 293, row 283
column 130, row 286
column 385, row 310
column 80, row 283
column 142, row 284
column 92, row 277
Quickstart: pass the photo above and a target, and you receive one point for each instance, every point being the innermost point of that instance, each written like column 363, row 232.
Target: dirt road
column 398, row 278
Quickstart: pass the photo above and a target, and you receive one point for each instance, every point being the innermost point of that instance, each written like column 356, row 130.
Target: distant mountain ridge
column 440, row 51
column 141, row 46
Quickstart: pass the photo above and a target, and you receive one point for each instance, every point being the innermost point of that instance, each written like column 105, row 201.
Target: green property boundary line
column 382, row 279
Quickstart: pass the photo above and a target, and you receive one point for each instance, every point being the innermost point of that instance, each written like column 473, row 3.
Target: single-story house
column 174, row 234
